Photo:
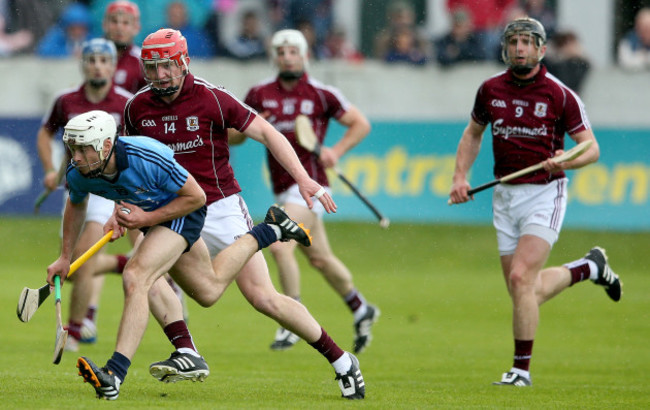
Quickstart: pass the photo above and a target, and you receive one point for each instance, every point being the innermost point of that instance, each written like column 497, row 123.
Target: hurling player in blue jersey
column 155, row 194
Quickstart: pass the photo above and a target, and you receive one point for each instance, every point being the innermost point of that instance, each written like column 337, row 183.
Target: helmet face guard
column 532, row 32
column 290, row 38
column 90, row 129
column 98, row 50
column 160, row 51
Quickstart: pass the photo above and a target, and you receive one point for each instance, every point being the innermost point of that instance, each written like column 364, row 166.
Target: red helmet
column 123, row 6
column 162, row 47
column 165, row 43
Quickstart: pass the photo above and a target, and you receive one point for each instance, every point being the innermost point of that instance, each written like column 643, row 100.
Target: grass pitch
column 443, row 337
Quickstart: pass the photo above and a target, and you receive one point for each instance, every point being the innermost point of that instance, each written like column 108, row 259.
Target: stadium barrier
column 404, row 168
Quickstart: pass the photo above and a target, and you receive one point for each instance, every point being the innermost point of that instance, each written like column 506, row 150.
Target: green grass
column 443, row 337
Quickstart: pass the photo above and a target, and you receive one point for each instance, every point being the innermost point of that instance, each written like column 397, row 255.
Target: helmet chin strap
column 96, row 173
column 290, row 75
column 97, row 82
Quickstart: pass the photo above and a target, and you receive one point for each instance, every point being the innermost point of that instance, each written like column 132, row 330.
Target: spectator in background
column 288, row 14
column 488, row 18
column 634, row 48
column 461, row 43
column 121, row 24
column 566, row 60
column 338, row 47
column 250, row 44
column 541, row 11
column 399, row 15
column 404, row 48
column 307, row 30
column 65, row 38
column 197, row 40
column 14, row 42
column 35, row 16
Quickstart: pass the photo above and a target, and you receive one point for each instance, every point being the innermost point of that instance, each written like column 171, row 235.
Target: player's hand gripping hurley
column 569, row 155
column 31, row 299
column 308, row 140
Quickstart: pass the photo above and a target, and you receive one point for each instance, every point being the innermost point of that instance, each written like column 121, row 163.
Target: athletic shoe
column 362, row 328
column 289, row 229
column 88, row 331
column 606, row 276
column 284, row 339
column 106, row 384
column 351, row 383
column 71, row 343
column 513, row 379
column 179, row 367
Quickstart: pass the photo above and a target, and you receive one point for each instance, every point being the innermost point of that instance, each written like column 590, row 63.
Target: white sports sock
column 276, row 229
column 522, row 373
column 593, row 270
column 187, row 350
column 342, row 364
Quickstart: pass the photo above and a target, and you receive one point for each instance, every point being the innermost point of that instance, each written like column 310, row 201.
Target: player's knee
column 320, row 261
column 264, row 303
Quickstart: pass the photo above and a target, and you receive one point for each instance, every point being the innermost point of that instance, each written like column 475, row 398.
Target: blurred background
column 412, row 66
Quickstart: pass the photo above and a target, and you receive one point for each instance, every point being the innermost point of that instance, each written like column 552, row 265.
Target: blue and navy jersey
column 147, row 175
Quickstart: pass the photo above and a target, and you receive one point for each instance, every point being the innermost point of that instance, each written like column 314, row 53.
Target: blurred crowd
column 56, row 29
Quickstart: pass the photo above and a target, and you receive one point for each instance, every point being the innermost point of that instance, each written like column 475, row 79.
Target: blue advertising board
column 404, row 168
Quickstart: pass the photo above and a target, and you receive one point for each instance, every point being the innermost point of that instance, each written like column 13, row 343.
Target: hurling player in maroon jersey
column 280, row 101
column 96, row 93
column 192, row 117
column 121, row 24
column 529, row 111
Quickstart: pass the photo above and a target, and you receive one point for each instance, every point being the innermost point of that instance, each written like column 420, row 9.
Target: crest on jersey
column 307, row 107
column 540, row 109
column 192, row 123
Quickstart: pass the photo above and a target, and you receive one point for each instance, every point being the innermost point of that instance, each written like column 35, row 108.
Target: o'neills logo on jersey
column 270, row 104
column 187, row 146
column 506, row 130
column 192, row 123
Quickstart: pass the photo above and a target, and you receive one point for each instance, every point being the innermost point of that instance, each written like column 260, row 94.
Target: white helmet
column 91, row 128
column 289, row 38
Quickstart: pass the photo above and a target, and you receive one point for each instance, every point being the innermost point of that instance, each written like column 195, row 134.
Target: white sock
column 522, row 373
column 593, row 270
column 342, row 364
column 187, row 350
column 358, row 314
column 277, row 230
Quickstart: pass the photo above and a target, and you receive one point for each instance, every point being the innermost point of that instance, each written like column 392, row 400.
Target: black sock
column 264, row 234
column 119, row 365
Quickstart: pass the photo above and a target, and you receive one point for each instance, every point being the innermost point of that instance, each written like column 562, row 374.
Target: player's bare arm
column 590, row 156
column 358, row 128
column 73, row 220
column 262, row 131
column 190, row 198
column 235, row 137
column 468, row 149
column 44, row 147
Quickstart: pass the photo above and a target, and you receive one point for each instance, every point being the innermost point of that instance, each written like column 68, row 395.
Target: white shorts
column 528, row 209
column 99, row 209
column 292, row 196
column 227, row 219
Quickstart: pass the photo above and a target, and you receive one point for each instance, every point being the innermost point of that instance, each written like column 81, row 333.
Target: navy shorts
column 188, row 226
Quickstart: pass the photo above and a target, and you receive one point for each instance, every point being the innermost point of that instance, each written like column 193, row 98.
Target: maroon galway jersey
column 311, row 98
column 528, row 121
column 72, row 102
column 195, row 125
column 128, row 73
